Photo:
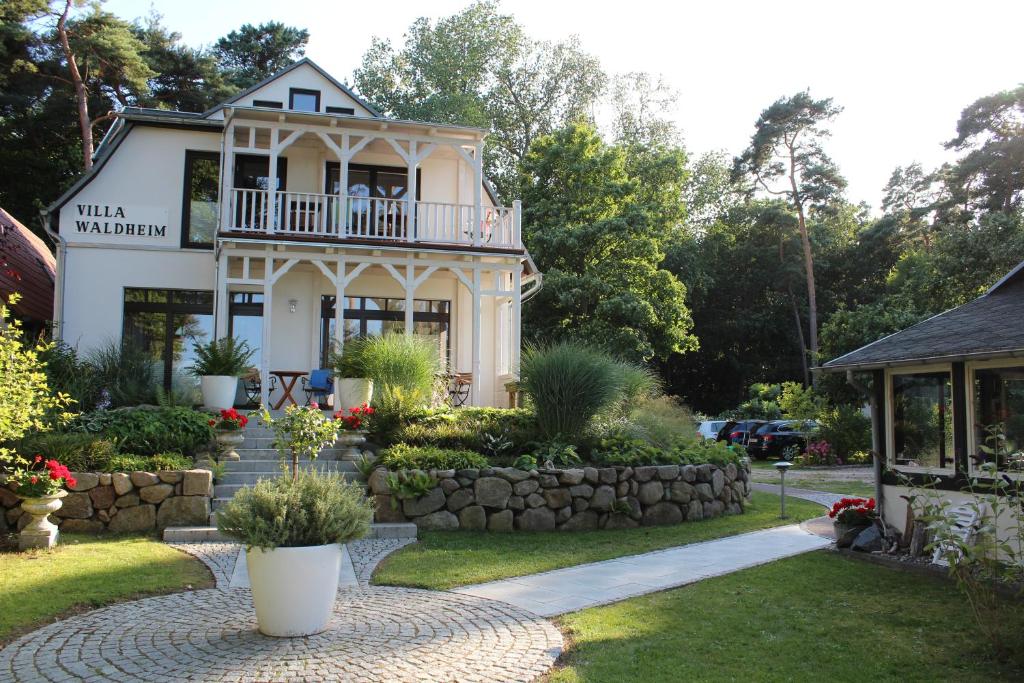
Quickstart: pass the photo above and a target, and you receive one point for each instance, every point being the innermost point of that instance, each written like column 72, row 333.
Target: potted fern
column 293, row 529
column 219, row 364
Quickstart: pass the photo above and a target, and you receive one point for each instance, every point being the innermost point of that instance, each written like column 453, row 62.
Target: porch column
column 517, row 223
column 960, row 425
column 517, row 308
column 268, row 309
column 478, row 199
column 227, row 177
column 475, row 388
column 410, row 221
column 410, row 290
column 220, row 299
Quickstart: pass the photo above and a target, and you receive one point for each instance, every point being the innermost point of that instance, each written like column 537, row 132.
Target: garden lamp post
column 782, row 466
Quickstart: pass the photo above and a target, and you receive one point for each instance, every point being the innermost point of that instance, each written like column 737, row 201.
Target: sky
column 902, row 70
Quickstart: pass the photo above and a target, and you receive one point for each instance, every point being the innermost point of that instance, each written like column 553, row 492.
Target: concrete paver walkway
column 574, row 588
column 820, row 497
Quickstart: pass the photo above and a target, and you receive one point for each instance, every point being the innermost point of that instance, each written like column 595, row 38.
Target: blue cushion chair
column 319, row 385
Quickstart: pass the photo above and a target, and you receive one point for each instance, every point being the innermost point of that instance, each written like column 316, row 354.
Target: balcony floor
column 361, row 242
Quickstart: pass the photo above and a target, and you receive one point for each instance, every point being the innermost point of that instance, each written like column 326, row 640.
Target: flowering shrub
column 819, row 453
column 301, row 431
column 358, row 418
column 230, row 420
column 40, row 478
column 854, row 511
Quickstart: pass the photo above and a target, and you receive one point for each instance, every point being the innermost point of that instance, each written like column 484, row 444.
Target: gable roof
column 28, row 268
column 305, row 61
column 989, row 326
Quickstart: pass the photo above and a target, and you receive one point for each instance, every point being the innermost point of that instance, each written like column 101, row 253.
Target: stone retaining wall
column 120, row 502
column 507, row 499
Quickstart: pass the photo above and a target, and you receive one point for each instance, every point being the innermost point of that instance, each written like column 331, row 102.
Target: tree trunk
column 81, row 95
column 799, row 335
column 805, row 239
column 295, row 465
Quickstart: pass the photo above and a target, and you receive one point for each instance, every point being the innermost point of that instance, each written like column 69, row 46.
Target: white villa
column 293, row 216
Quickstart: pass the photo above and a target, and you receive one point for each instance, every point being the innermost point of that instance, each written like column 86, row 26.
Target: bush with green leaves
column 311, row 509
column 127, row 462
column 405, row 457
column 798, row 402
column 846, row 429
column 408, row 363
column 125, row 375
column 78, row 451
column 148, row 431
column 227, row 356
column 623, row 450
column 568, row 384
column 472, row 429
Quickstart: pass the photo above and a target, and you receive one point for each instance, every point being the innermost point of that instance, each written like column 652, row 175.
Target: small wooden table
column 288, row 379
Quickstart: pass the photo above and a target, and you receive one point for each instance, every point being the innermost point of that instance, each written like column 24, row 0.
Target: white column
column 268, row 308
column 410, row 221
column 343, row 159
column 517, row 319
column 339, row 323
column 475, row 389
column 478, row 199
column 272, row 182
column 227, row 178
column 220, row 300
column 410, row 289
column 517, row 223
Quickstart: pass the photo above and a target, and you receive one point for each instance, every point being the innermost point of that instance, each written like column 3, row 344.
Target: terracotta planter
column 40, row 532
column 218, row 391
column 229, row 440
column 293, row 589
column 351, row 441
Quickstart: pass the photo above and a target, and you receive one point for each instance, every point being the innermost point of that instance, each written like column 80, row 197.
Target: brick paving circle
column 376, row 634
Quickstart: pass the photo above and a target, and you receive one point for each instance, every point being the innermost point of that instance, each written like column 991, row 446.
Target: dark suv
column 772, row 439
column 739, row 432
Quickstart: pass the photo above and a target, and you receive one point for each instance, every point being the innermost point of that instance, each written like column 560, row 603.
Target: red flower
column 39, row 458
column 33, row 479
column 71, row 481
column 212, row 422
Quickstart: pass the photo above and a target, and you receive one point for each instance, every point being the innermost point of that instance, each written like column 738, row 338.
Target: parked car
column 708, row 429
column 738, row 432
column 772, row 439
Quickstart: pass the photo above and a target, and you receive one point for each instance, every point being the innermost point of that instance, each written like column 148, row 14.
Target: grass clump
column 127, row 462
column 311, row 509
column 405, row 457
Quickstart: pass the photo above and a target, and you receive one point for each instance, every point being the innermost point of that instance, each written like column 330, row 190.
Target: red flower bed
column 854, row 511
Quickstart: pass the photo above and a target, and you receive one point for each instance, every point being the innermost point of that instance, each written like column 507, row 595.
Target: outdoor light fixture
column 293, row 304
column 782, row 466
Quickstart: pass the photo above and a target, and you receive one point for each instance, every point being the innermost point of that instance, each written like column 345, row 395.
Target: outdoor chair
column 966, row 528
column 319, row 385
column 253, row 387
column 459, row 386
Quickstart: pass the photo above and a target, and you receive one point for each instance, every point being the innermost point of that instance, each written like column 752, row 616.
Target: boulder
column 493, row 492
column 182, row 511
column 141, row 479
column 438, row 521
column 81, row 526
column 726, row 495
column 590, row 475
column 377, row 481
column 385, row 512
column 581, row 521
column 846, row 539
column 704, row 473
column 713, row 508
column 512, row 474
column 689, row 473
column 105, row 479
column 536, row 519
column 473, row 518
column 121, row 482
column 557, row 498
column 580, row 504
column 581, row 491
column 563, row 514
column 626, row 473
column 156, row 493
column 429, row 502
column 662, row 513
column 76, row 506
column 534, row 500
column 126, row 501
column 650, row 492
column 500, row 521
column 681, row 492
column 84, row 481
column 635, row 510
column 869, row 540
column 459, row 500
column 7, row 498
column 668, row 472
column 704, row 492
column 571, row 477
column 730, row 472
column 141, row 518
column 645, row 473
column 449, row 486
column 196, row 482
column 443, row 474
column 622, row 489
column 695, row 512
column 170, row 477
column 608, row 475
column 525, row 488
column 102, row 497
column 548, row 481
column 516, row 503
column 467, row 474
column 617, row 520
column 717, row 482
column 603, row 498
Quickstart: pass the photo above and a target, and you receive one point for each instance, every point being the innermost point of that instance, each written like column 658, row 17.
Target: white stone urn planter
column 352, row 392
column 351, row 441
column 40, row 532
column 293, row 589
column 218, row 391
column 229, row 441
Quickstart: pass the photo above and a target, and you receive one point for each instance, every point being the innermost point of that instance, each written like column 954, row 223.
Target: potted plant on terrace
column 219, row 364
column 353, row 386
column 355, row 423
column 40, row 485
column 293, row 529
column 228, row 432
column 852, row 513
column 302, row 431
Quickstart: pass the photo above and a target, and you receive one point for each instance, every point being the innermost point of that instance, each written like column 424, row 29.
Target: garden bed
column 509, row 499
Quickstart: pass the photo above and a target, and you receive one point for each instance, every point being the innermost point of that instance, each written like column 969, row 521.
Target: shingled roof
column 26, row 267
column 989, row 326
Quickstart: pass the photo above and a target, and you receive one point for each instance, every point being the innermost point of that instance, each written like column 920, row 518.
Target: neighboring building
column 938, row 385
column 292, row 215
column 27, row 267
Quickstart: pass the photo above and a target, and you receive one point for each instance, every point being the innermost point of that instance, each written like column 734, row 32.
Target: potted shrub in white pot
column 293, row 529
column 353, row 387
column 219, row 364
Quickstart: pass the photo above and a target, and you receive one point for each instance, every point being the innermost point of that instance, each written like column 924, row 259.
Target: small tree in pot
column 293, row 529
column 219, row 364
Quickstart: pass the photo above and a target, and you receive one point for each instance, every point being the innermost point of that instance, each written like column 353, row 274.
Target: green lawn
column 445, row 559
column 816, row 617
column 88, row 572
column 864, row 489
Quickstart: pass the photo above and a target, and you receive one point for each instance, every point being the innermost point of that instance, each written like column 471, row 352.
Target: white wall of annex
column 307, row 78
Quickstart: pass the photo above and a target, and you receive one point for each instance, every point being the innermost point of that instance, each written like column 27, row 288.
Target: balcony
column 331, row 217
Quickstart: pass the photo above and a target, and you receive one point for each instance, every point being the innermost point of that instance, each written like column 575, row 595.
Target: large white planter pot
column 218, row 391
column 353, row 392
column 294, row 589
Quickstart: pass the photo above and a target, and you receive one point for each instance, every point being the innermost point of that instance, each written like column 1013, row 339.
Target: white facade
column 176, row 228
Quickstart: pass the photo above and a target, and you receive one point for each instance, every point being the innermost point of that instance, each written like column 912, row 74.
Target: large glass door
column 376, row 199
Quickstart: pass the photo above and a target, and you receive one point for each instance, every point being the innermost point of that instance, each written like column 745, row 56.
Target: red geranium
column 28, row 482
column 853, row 510
column 230, row 420
column 358, row 418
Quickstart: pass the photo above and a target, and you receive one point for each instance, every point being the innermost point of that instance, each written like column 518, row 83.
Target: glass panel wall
column 999, row 412
column 245, row 321
column 167, row 324
column 923, row 420
column 202, row 175
column 372, row 316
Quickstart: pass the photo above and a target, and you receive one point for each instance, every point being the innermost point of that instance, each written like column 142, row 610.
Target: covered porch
column 284, row 301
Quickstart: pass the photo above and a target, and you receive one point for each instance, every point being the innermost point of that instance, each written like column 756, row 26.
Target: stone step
column 228, row 490
column 250, row 478
column 274, row 465
column 204, row 534
column 271, row 454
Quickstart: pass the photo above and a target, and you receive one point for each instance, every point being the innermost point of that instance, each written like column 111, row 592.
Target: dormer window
column 300, row 99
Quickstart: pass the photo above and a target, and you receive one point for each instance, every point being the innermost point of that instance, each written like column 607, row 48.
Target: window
column 303, row 100
column 348, row 111
column 999, row 409
column 167, row 324
column 923, row 420
column 252, row 172
column 199, row 207
column 270, row 104
column 245, row 321
column 373, row 316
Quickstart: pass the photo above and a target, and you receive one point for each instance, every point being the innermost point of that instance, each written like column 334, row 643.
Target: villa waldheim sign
column 121, row 220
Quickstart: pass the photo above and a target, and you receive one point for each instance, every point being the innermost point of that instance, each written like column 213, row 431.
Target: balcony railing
column 372, row 218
